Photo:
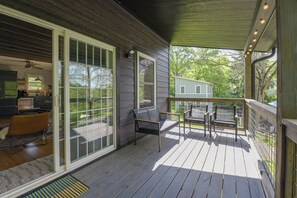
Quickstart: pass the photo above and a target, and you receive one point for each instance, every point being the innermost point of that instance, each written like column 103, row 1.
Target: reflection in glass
column 146, row 82
column 91, row 92
column 73, row 50
column 61, row 101
column 97, row 56
column 104, row 58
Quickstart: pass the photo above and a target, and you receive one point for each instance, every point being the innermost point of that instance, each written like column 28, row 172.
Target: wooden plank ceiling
column 223, row 24
column 24, row 40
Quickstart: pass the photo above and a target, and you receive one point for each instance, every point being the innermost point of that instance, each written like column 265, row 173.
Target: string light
column 265, row 6
column 250, row 45
column 262, row 21
column 255, row 32
column 254, row 40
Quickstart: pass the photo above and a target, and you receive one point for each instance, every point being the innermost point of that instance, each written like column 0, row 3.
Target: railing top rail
column 291, row 131
column 262, row 108
column 231, row 100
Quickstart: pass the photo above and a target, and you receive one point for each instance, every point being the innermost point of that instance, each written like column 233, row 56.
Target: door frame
column 58, row 170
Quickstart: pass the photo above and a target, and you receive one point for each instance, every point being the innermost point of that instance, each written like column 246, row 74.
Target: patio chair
column 22, row 126
column 224, row 116
column 149, row 120
column 197, row 114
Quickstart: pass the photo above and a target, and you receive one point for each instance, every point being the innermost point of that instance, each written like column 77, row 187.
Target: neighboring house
column 190, row 88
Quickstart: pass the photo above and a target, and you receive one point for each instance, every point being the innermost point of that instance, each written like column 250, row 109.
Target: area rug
column 15, row 141
column 24, row 173
column 66, row 187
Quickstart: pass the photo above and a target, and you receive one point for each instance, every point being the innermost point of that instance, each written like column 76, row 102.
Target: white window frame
column 140, row 54
column 57, row 30
column 199, row 89
column 180, row 89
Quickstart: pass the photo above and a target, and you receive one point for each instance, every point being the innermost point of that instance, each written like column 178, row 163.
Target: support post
column 248, row 77
column 287, row 83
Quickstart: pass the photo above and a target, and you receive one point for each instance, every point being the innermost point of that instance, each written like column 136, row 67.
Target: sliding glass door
column 86, row 87
column 91, row 98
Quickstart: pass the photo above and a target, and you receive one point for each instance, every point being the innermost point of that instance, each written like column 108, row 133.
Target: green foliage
column 265, row 79
column 224, row 69
column 218, row 67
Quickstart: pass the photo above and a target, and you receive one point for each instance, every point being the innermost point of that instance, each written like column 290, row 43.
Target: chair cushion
column 149, row 128
column 195, row 119
column 168, row 124
column 224, row 122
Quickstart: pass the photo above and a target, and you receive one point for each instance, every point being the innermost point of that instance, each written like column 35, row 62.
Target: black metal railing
column 262, row 130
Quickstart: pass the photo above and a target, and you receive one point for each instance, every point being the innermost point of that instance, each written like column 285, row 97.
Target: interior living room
column 26, row 143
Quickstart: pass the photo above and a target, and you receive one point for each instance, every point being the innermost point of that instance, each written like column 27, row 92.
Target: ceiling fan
column 31, row 64
column 28, row 63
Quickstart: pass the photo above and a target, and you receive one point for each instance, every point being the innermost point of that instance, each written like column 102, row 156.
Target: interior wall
column 108, row 22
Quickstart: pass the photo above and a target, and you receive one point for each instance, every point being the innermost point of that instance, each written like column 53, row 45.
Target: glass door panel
column 61, row 98
column 90, row 98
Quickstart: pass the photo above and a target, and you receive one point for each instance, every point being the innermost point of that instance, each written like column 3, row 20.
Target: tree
column 210, row 65
column 180, row 59
column 237, row 70
column 224, row 69
column 265, row 74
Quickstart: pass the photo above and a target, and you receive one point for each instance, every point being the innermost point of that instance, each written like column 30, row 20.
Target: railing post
column 287, row 81
column 246, row 117
column 169, row 104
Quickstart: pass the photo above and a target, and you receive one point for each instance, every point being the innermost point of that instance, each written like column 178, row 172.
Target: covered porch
column 194, row 166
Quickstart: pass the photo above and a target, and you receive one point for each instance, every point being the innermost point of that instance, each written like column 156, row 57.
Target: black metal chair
column 224, row 116
column 197, row 114
column 150, row 121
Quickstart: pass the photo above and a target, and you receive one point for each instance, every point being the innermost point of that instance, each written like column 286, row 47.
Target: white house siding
column 190, row 90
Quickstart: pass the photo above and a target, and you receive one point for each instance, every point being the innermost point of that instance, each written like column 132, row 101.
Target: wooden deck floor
column 192, row 167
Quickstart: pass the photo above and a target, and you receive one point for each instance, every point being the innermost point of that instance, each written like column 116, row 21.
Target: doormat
column 66, row 187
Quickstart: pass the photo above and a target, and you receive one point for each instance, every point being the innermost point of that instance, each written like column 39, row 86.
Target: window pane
column 146, row 70
column 146, row 89
column 81, row 52
column 182, row 89
column 197, row 89
column 61, row 48
column 104, row 58
column 73, row 50
column 35, row 83
column 97, row 56
column 110, row 60
column 90, row 55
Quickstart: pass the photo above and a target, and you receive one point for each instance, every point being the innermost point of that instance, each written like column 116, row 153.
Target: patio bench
column 224, row 116
column 150, row 120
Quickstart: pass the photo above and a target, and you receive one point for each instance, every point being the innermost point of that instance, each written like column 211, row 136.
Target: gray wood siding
column 106, row 21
